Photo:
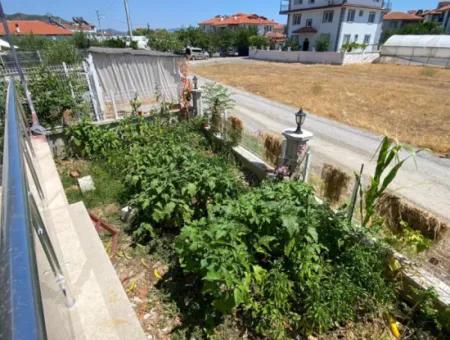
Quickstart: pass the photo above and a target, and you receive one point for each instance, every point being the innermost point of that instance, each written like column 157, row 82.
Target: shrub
column 52, row 95
column 258, row 41
column 323, row 44
column 285, row 262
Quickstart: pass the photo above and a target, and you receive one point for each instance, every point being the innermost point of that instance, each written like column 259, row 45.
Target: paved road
column 425, row 182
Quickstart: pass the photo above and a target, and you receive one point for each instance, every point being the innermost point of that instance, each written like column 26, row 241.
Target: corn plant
column 389, row 163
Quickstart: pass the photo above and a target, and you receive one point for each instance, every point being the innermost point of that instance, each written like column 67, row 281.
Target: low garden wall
column 333, row 58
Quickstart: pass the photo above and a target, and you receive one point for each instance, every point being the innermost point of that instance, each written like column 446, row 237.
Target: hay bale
column 396, row 210
column 273, row 147
column 335, row 183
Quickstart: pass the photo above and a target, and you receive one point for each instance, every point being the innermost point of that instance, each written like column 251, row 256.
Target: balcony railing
column 21, row 311
column 285, row 4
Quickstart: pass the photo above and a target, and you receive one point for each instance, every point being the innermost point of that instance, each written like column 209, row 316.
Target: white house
column 342, row 21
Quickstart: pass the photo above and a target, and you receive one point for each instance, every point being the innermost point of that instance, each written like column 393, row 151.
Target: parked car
column 196, row 53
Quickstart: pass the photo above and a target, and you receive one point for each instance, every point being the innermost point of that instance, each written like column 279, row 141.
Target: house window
column 311, row 1
column 372, row 17
column 297, row 19
column 308, row 22
column 328, row 16
column 351, row 15
column 298, row 2
column 356, row 38
column 361, row 13
column 367, row 39
column 346, row 39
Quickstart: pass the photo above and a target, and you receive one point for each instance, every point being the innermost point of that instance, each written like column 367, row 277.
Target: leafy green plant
column 285, row 262
column 323, row 43
column 258, row 41
column 350, row 46
column 217, row 99
column 52, row 95
column 389, row 163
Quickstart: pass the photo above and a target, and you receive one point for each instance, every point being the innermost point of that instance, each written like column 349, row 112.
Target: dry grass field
column 409, row 103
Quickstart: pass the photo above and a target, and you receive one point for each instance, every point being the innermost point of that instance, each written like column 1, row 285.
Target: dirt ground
column 410, row 103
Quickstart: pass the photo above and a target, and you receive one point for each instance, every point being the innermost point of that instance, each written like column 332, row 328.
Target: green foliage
column 52, row 95
column 194, row 36
column 163, row 40
column 285, row 262
column 217, row 99
column 293, row 43
column 59, row 51
column 350, row 46
column 407, row 240
column 114, row 43
column 323, row 43
column 81, row 40
column 31, row 42
column 258, row 41
column 419, row 28
column 388, row 165
column 169, row 179
column 90, row 141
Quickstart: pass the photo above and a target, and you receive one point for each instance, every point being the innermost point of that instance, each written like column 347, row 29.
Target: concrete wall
column 335, row 58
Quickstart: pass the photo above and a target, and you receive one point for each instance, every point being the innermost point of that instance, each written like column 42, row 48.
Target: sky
column 164, row 13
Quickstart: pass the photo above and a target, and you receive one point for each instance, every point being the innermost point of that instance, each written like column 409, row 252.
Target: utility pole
column 99, row 19
column 127, row 12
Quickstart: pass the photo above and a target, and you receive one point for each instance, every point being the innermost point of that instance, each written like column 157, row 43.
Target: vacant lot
column 406, row 102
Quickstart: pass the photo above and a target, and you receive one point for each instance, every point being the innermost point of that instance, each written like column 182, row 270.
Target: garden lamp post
column 300, row 117
column 195, row 81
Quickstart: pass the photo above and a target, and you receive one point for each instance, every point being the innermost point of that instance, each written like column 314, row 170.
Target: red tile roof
column 36, row 27
column 402, row 16
column 275, row 36
column 238, row 19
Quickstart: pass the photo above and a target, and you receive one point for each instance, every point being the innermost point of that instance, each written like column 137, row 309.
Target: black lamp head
column 195, row 80
column 300, row 117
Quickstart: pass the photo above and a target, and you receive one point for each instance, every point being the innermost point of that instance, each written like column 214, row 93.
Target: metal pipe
column 21, row 313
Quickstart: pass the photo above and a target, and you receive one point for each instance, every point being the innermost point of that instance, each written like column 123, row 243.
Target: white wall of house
column 317, row 23
column 360, row 28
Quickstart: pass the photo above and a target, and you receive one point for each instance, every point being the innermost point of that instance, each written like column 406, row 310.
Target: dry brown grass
column 406, row 102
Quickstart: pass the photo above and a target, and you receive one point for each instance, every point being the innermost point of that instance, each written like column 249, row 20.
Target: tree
column 193, row 36
column 415, row 29
column 241, row 40
column 258, row 41
column 164, row 41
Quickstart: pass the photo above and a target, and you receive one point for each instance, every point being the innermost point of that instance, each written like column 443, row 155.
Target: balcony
column 284, row 6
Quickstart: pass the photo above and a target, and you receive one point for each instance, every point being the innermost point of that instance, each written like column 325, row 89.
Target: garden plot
column 204, row 246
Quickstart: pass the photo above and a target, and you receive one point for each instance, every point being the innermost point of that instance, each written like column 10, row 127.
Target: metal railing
column 21, row 311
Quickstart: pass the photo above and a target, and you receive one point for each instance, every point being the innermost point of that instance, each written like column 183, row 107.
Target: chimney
column 17, row 28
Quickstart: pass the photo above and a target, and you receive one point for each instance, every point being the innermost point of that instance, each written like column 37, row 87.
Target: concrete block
column 86, row 184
